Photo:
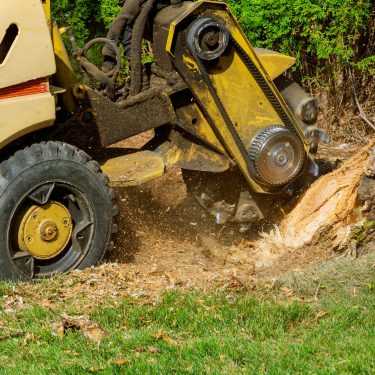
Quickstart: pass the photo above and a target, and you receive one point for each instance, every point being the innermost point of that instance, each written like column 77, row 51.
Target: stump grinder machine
column 213, row 102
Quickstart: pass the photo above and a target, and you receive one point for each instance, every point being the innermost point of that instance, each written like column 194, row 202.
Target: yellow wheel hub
column 45, row 230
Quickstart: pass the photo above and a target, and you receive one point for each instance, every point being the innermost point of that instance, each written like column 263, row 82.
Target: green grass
column 280, row 329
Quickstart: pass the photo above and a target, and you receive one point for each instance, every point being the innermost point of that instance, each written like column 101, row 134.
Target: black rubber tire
column 55, row 161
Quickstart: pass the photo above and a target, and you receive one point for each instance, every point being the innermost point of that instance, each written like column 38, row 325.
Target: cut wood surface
column 329, row 212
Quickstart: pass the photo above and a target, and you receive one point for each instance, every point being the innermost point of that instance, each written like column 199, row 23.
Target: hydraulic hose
column 136, row 47
column 109, row 78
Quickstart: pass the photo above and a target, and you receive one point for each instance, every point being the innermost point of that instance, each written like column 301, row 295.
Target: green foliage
column 324, row 35
column 86, row 18
column 366, row 65
column 109, row 10
column 319, row 33
column 360, row 234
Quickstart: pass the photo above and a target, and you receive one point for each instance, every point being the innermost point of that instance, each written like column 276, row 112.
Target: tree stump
column 336, row 212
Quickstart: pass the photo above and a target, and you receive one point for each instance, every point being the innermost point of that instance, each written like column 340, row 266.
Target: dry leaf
column 80, row 323
column 28, row 337
column 286, row 291
column 156, row 273
column 320, row 314
column 153, row 350
column 93, row 333
column 58, row 330
column 161, row 335
column 121, row 362
column 9, row 311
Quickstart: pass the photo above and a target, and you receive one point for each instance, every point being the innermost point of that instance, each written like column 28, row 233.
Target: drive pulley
column 277, row 155
column 208, row 38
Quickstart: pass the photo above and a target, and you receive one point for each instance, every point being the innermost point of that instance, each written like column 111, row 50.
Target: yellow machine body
column 31, row 53
column 211, row 101
column 230, row 104
column 244, row 100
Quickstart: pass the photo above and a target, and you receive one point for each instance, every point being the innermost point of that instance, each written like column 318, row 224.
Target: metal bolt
column 48, row 231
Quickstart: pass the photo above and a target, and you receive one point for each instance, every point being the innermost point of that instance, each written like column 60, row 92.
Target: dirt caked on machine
column 215, row 104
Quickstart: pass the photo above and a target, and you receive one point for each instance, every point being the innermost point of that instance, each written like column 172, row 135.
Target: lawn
column 318, row 322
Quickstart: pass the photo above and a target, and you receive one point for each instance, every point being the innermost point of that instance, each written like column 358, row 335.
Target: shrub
column 319, row 33
column 332, row 40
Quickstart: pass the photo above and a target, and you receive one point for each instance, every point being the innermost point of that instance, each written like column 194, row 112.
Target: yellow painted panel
column 134, row 169
column 31, row 55
column 198, row 125
column 242, row 98
column 273, row 62
column 47, row 10
column 23, row 115
column 244, row 101
column 65, row 76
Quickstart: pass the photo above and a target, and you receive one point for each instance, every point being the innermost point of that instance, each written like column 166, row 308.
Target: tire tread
column 51, row 150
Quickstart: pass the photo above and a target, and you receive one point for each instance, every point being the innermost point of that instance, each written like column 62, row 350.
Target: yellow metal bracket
column 242, row 98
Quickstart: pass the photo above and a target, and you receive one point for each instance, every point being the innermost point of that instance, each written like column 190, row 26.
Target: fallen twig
column 362, row 114
column 317, row 291
column 11, row 335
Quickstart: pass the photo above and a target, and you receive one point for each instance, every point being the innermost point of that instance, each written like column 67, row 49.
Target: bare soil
column 166, row 240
